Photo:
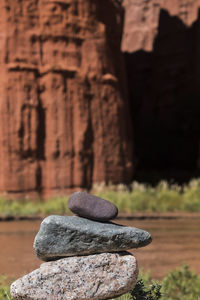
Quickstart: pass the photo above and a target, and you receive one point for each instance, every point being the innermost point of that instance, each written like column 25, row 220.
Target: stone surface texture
column 101, row 276
column 161, row 42
column 70, row 236
column 92, row 207
column 63, row 108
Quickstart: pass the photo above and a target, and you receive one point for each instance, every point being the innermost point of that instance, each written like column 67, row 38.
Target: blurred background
column 102, row 96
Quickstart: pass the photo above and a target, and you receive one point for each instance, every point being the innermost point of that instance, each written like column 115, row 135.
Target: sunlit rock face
column 64, row 117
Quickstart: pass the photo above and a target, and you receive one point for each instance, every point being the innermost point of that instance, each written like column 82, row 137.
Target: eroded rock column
column 64, row 116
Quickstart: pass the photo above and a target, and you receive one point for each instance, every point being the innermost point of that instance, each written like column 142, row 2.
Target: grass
column 4, row 288
column 133, row 198
column 179, row 284
column 162, row 198
column 26, row 207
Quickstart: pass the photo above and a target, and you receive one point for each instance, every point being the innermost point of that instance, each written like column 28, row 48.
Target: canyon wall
column 161, row 42
column 67, row 116
column 64, row 117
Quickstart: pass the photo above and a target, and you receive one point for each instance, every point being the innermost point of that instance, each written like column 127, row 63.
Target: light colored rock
column 71, row 236
column 100, row 276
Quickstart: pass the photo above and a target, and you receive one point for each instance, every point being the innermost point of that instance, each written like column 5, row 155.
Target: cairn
column 85, row 255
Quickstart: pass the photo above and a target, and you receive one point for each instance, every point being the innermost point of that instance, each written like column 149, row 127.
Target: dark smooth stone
column 91, row 207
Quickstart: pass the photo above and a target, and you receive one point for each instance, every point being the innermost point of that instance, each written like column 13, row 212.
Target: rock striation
column 72, row 276
column 64, row 111
column 92, row 207
column 99, row 276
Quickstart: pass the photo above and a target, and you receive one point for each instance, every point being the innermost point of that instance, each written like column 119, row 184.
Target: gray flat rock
column 92, row 207
column 101, row 276
column 71, row 236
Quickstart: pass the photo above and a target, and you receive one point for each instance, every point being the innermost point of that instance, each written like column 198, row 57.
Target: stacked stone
column 85, row 255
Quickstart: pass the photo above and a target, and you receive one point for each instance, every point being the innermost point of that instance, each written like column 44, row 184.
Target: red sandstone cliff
column 64, row 107
column 64, row 118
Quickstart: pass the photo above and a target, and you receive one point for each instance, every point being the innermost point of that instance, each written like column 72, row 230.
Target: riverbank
column 136, row 200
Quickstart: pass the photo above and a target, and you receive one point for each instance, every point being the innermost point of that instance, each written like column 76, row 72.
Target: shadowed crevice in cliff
column 113, row 17
column 165, row 102
column 39, row 179
column 41, row 134
column 87, row 155
column 40, row 140
column 88, row 159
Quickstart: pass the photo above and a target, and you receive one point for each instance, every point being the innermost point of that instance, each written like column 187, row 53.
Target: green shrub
column 191, row 196
column 25, row 207
column 132, row 198
column 162, row 198
column 140, row 292
column 53, row 206
column 4, row 288
column 181, row 284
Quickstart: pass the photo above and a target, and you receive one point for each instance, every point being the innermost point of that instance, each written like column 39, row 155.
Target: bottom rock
column 99, row 276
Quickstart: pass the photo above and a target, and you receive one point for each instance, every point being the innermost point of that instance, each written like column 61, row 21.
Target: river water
column 174, row 242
